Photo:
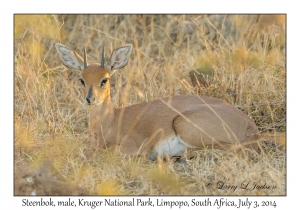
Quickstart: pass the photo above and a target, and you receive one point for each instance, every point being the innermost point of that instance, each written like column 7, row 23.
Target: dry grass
column 247, row 53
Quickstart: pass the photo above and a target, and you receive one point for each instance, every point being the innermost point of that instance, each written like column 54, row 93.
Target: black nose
column 89, row 95
column 88, row 100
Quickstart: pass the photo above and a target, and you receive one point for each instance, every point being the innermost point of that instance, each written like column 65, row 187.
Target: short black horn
column 102, row 58
column 84, row 59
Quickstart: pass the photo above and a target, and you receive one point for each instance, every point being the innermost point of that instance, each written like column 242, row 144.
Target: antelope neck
column 103, row 113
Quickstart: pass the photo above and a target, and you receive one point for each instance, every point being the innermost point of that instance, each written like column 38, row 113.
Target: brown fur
column 199, row 121
column 141, row 126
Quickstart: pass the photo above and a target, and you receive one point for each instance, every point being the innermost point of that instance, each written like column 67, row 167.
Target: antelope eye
column 82, row 82
column 103, row 82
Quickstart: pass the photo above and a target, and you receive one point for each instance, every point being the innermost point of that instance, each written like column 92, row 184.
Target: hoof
column 180, row 160
column 152, row 158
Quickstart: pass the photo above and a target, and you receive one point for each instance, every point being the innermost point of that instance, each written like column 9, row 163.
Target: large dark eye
column 103, row 82
column 82, row 82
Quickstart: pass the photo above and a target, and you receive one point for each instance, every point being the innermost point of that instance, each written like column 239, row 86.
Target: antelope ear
column 69, row 58
column 119, row 58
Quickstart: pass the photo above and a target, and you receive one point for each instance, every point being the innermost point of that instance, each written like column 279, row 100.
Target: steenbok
column 165, row 127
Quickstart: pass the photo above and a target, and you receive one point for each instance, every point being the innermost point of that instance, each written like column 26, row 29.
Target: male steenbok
column 167, row 126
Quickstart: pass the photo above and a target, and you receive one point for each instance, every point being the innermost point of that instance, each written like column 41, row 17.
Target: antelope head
column 95, row 78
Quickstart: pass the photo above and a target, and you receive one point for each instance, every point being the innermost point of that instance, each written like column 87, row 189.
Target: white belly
column 172, row 146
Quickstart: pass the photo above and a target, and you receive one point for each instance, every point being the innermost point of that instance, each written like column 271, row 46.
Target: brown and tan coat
column 167, row 126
